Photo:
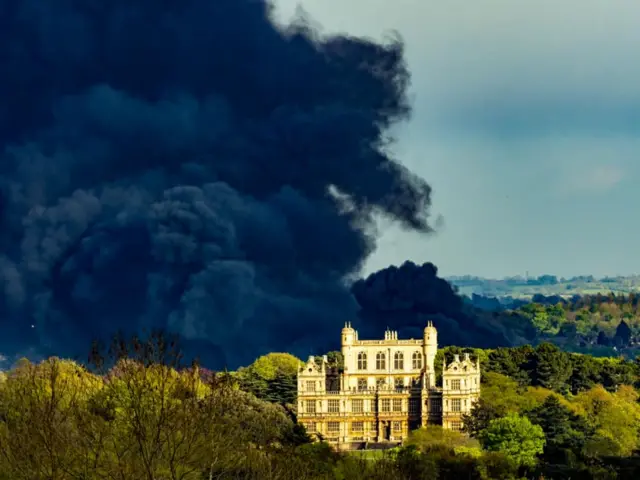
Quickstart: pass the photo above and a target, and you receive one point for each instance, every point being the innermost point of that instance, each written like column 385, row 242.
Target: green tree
column 551, row 367
column 282, row 389
column 334, row 360
column 271, row 377
column 539, row 317
column 585, row 373
column 509, row 362
column 270, row 365
column 497, row 466
column 482, row 413
column 516, row 437
column 623, row 333
column 505, row 394
column 412, row 464
column 431, row 436
column 564, row 430
column 41, row 436
column 615, row 418
column 568, row 330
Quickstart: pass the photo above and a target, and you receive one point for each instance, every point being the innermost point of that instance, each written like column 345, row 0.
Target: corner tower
column 347, row 340
column 430, row 351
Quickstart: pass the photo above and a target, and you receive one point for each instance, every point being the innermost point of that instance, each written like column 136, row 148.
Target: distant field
column 546, row 285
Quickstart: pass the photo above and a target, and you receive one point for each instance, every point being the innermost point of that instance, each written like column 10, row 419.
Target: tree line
column 141, row 412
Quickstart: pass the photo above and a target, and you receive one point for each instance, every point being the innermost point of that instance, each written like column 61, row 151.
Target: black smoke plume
column 404, row 298
column 190, row 166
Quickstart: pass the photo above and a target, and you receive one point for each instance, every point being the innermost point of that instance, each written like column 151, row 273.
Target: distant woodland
column 598, row 324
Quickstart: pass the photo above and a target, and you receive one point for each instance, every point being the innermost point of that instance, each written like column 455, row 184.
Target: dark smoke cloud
column 404, row 298
column 169, row 163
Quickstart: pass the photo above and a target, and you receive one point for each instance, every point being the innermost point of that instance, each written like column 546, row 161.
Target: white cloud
column 598, row 179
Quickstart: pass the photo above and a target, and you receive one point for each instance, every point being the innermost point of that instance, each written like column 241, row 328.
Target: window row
column 457, row 384
column 398, row 361
column 358, row 405
column 386, row 405
column 355, row 427
column 398, row 383
column 435, row 405
column 457, row 405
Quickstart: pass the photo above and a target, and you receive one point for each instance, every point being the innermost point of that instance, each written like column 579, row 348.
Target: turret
column 348, row 335
column 430, row 335
column 430, row 351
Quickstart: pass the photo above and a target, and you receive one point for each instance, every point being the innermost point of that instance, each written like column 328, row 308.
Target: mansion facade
column 388, row 388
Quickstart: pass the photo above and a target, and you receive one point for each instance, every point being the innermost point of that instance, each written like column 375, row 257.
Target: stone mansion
column 387, row 389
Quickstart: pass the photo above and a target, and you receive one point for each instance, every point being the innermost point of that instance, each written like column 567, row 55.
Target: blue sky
column 526, row 125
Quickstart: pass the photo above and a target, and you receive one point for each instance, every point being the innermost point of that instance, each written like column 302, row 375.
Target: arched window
column 417, row 360
column 381, row 363
column 398, row 361
column 362, row 361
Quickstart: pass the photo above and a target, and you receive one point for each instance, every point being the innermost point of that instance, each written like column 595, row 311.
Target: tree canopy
column 516, row 437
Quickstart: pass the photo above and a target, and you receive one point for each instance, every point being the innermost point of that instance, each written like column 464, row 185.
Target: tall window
column 397, row 427
column 381, row 363
column 386, row 404
column 398, row 361
column 333, row 406
column 397, row 404
column 311, row 406
column 455, row 384
column 357, row 406
column 414, row 405
column 417, row 360
column 380, row 383
column 311, row 386
column 399, row 383
column 455, row 404
column 436, row 405
column 362, row 361
column 362, row 384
